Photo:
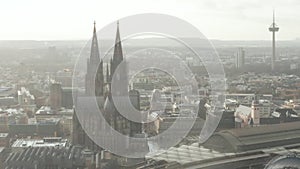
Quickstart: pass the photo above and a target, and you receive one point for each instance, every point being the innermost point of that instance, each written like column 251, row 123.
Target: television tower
column 273, row 28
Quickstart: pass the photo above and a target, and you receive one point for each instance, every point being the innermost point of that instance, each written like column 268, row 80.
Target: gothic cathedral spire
column 118, row 53
column 94, row 76
column 95, row 56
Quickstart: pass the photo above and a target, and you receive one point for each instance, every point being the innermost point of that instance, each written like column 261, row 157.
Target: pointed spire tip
column 94, row 26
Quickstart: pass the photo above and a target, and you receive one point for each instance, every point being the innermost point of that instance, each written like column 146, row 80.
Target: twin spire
column 118, row 54
column 95, row 64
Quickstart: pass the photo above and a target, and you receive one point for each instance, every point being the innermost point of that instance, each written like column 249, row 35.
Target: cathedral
column 99, row 85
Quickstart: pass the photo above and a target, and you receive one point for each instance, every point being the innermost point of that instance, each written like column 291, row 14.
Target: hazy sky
column 216, row 19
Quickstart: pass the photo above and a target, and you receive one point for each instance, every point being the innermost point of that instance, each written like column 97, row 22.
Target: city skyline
column 141, row 107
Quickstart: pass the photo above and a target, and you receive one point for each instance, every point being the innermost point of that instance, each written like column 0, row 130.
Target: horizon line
column 42, row 40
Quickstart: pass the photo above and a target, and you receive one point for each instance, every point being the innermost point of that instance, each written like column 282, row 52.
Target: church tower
column 118, row 53
column 118, row 75
column 94, row 85
column 94, row 80
column 118, row 61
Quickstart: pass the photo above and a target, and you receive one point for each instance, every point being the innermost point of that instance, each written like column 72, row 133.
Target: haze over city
column 133, row 84
column 216, row 19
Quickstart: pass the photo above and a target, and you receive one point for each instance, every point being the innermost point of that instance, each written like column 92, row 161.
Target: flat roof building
column 45, row 142
column 254, row 138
